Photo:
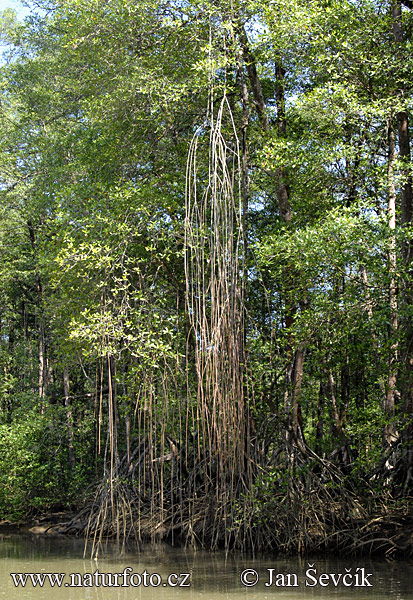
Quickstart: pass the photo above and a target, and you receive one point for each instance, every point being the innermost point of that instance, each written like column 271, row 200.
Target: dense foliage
column 205, row 268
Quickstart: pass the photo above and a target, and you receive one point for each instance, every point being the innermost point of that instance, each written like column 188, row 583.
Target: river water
column 163, row 572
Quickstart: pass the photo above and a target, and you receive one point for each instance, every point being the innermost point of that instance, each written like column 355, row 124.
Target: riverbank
column 387, row 535
column 52, row 523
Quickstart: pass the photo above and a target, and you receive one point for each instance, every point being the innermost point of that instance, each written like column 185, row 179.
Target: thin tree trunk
column 69, row 417
column 127, row 415
column 407, row 250
column 251, row 67
column 42, row 336
column 283, row 197
column 42, row 368
column 112, row 400
column 337, row 429
column 294, row 370
column 375, row 341
column 282, row 188
column 297, row 382
column 112, row 431
column 405, row 155
column 390, row 434
column 345, row 391
column 319, row 419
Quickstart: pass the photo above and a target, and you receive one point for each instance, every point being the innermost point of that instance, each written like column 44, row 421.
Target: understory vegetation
column 206, row 272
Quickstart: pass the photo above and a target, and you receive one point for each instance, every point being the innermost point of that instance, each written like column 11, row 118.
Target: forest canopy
column 205, row 270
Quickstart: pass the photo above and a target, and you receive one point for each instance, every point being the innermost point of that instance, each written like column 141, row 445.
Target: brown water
column 211, row 576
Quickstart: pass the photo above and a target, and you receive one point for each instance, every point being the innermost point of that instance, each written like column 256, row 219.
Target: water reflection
column 212, row 576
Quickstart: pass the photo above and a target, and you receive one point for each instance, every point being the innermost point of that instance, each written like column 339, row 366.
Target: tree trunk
column 69, row 417
column 407, row 250
column 319, row 418
column 390, row 433
column 42, row 336
column 113, row 421
column 407, row 294
column 337, row 428
column 42, row 363
column 282, row 189
column 250, row 64
column 294, row 370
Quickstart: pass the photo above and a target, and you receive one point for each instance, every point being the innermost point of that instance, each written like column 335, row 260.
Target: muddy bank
column 389, row 535
column 48, row 524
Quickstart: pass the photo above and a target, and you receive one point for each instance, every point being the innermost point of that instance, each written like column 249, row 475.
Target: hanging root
column 199, row 473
